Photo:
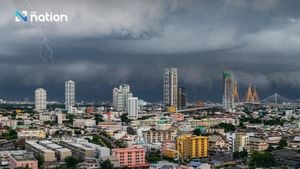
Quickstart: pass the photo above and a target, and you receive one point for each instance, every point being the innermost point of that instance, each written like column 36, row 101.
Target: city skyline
column 257, row 41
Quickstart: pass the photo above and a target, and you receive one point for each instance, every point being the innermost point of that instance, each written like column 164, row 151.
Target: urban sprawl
column 129, row 132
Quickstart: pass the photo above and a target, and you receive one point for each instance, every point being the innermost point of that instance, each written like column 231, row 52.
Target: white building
column 120, row 97
column 40, row 99
column 84, row 123
column 170, row 87
column 69, row 94
column 132, row 108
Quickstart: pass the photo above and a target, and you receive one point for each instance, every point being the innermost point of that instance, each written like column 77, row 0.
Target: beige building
column 257, row 144
column 217, row 142
column 156, row 136
column 60, row 151
column 47, row 154
column 34, row 134
column 79, row 150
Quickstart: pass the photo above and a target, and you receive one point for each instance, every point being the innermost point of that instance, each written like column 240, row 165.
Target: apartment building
column 191, row 146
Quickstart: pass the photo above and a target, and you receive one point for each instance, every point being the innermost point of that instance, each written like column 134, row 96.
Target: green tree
column 131, row 131
column 197, row 132
column 124, row 118
column 10, row 134
column 227, row 127
column 71, row 162
column 240, row 155
column 107, row 164
column 153, row 156
column 282, row 143
column 261, row 159
column 40, row 160
column 98, row 118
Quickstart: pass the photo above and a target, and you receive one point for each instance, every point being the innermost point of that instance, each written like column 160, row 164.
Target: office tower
column 191, row 146
column 228, row 95
column 120, row 97
column 132, row 108
column 170, row 87
column 182, row 98
column 69, row 94
column 40, row 99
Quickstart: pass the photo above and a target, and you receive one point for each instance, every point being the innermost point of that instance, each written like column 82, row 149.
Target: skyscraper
column 69, row 94
column 228, row 95
column 120, row 97
column 182, row 98
column 170, row 87
column 132, row 107
column 40, row 99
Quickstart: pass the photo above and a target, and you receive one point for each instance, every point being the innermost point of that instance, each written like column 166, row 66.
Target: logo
column 21, row 16
column 33, row 16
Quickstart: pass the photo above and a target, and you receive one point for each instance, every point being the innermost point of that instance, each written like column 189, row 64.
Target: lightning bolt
column 45, row 52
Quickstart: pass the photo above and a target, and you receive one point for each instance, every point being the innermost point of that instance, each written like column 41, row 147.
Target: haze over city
column 106, row 43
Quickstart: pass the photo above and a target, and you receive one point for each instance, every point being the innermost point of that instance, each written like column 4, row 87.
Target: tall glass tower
column 170, row 87
column 228, row 95
column 69, row 94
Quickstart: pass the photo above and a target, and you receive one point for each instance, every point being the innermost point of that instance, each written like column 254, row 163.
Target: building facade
column 22, row 160
column 132, row 108
column 228, row 89
column 40, row 99
column 157, row 136
column 170, row 87
column 69, row 94
column 132, row 157
column 182, row 98
column 120, row 97
column 190, row 146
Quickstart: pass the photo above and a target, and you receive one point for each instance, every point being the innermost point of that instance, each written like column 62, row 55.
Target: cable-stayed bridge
column 277, row 99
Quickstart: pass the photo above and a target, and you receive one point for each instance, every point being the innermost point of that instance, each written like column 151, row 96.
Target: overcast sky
column 106, row 43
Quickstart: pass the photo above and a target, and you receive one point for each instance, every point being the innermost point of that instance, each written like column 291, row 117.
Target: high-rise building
column 132, row 108
column 228, row 95
column 40, row 99
column 190, row 146
column 170, row 87
column 69, row 94
column 182, row 98
column 120, row 97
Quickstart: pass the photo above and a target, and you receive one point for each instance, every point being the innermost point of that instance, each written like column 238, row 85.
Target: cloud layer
column 106, row 43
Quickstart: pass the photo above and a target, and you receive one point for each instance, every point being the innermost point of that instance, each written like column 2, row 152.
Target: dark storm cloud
column 106, row 43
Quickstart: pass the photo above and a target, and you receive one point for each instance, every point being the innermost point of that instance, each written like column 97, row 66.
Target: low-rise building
column 156, row 136
column 79, row 150
column 47, row 154
column 217, row 142
column 32, row 134
column 22, row 160
column 84, row 123
column 60, row 151
column 132, row 157
column 257, row 144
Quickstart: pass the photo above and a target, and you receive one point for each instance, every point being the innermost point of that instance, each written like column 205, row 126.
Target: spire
column 236, row 93
column 249, row 96
column 255, row 95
